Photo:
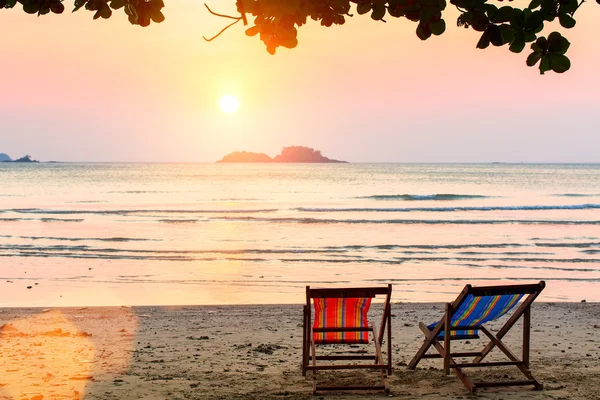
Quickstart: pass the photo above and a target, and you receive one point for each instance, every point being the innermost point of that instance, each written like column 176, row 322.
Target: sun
column 229, row 103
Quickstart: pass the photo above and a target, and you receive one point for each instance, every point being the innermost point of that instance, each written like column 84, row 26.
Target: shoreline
column 264, row 305
column 253, row 352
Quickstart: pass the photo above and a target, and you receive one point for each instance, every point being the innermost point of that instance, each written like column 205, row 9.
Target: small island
column 291, row 154
column 25, row 159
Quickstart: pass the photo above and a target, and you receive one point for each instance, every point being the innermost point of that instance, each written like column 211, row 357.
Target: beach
column 254, row 352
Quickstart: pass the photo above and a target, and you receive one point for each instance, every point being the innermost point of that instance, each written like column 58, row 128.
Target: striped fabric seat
column 477, row 310
column 341, row 313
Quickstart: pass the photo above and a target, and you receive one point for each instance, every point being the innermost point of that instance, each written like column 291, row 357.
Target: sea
column 110, row 234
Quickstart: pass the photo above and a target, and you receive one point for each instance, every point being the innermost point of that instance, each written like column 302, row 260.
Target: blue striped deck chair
column 466, row 317
column 341, row 318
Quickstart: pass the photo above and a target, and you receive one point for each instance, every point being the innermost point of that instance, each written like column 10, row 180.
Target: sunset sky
column 75, row 89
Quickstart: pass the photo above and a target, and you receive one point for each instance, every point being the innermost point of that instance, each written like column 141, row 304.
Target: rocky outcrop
column 291, row 154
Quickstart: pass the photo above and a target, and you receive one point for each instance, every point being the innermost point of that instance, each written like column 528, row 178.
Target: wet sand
column 253, row 352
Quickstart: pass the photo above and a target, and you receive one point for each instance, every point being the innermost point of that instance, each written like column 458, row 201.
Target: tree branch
column 222, row 30
column 220, row 15
column 579, row 5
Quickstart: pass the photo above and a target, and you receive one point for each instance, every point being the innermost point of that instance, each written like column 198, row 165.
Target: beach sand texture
column 253, row 352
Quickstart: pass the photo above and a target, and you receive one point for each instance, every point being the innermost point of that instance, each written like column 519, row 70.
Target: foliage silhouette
column 276, row 22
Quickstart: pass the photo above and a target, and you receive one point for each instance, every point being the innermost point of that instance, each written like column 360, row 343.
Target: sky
column 77, row 89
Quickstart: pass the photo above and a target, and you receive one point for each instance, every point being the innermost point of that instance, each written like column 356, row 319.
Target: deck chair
column 341, row 318
column 473, row 307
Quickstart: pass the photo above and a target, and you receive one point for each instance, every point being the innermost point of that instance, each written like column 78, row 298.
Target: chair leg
column 526, row 335
column 314, row 362
column 437, row 345
column 424, row 347
column 304, row 342
column 379, row 359
column 469, row 384
column 524, row 369
column 389, row 342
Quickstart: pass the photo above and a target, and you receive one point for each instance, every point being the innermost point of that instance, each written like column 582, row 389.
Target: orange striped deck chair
column 341, row 318
column 465, row 318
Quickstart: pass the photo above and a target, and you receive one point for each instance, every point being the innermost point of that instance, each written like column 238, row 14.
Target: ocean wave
column 575, row 195
column 61, row 219
column 92, row 249
column 137, row 191
column 420, row 197
column 178, row 221
column 388, row 280
column 496, row 266
column 113, row 239
column 453, row 209
column 581, row 244
column 430, row 246
column 328, row 256
column 507, row 253
column 131, row 212
column 409, row 221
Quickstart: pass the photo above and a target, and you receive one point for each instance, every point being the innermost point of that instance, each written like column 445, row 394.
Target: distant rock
column 4, row 157
column 291, row 154
column 25, row 159
column 246, row 156
column 301, row 154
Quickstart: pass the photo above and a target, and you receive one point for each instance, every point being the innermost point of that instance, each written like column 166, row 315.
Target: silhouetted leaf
column 504, row 14
column 438, row 27
column 78, row 4
column 495, row 35
column 423, row 32
column 157, row 16
column 105, row 12
column 559, row 63
column 133, row 19
column 484, row 40
column 479, row 21
column 518, row 43
column 130, row 10
column 568, row 6
column 533, row 58
column 31, row 8
column 518, row 19
column 252, row 31
column 544, row 65
column 57, row 8
column 363, row 8
column 557, row 44
column 542, row 43
column 378, row 11
column 533, row 21
column 566, row 20
column 535, row 47
column 535, row 4
column 144, row 19
column 507, row 33
column 117, row 4
column 529, row 36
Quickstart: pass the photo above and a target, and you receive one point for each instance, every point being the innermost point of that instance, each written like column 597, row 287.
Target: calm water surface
column 150, row 234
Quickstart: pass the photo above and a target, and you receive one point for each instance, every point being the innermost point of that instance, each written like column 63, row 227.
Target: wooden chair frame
column 523, row 310
column 310, row 358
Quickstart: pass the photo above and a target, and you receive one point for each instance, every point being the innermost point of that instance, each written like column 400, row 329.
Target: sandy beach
column 253, row 352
